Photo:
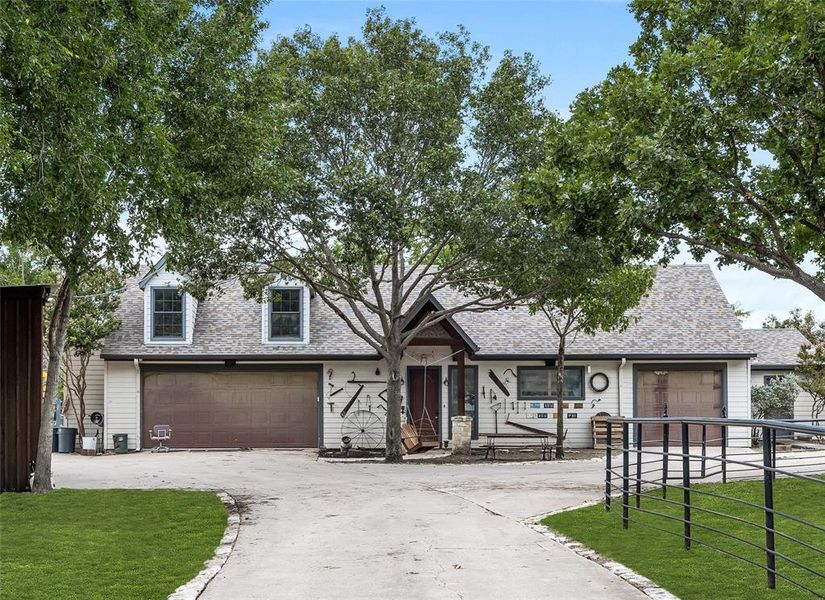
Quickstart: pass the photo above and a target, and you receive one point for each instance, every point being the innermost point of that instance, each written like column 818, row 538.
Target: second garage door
column 233, row 409
column 683, row 393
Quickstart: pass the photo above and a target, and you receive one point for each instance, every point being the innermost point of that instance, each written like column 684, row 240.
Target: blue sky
column 576, row 42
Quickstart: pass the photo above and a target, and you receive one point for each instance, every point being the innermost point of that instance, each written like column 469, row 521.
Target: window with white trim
column 286, row 314
column 168, row 319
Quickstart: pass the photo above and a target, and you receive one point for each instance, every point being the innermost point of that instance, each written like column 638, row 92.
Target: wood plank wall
column 21, row 368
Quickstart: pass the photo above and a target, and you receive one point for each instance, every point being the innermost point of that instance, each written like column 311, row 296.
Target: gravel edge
column 194, row 587
column 640, row 582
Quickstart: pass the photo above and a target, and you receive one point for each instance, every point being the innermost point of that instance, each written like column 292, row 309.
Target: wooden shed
column 21, row 373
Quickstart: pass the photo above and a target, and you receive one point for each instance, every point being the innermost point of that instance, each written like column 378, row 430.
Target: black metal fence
column 653, row 471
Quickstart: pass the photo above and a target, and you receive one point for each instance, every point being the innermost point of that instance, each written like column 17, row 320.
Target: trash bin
column 66, row 437
column 121, row 442
column 55, row 442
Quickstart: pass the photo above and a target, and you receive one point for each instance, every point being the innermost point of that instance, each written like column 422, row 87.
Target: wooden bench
column 542, row 438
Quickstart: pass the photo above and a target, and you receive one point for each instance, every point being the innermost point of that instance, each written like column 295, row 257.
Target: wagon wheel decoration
column 365, row 429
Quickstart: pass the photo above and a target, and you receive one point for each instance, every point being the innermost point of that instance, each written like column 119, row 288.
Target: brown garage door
column 233, row 409
column 684, row 394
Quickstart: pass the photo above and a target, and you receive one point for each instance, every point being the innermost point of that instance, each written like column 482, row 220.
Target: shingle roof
column 685, row 313
column 775, row 347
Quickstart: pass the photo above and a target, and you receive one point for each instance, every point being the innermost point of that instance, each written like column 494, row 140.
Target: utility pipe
column 622, row 363
column 137, row 403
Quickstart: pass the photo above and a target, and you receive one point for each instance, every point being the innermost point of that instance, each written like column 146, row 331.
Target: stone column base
column 462, row 434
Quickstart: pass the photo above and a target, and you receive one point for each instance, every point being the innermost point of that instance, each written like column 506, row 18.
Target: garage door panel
column 233, row 409
column 685, row 393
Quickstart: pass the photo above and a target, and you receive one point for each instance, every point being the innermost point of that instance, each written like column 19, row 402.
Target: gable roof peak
column 430, row 303
column 153, row 270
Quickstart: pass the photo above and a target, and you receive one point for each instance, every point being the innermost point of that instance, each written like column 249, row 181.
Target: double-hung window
column 168, row 320
column 285, row 312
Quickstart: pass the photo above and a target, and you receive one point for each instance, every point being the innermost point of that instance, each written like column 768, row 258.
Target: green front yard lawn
column 702, row 572
column 105, row 543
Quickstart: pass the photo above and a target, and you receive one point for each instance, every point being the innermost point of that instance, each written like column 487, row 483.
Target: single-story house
column 777, row 354
column 287, row 372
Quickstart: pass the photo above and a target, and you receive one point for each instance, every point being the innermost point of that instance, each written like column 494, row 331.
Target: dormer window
column 168, row 322
column 285, row 314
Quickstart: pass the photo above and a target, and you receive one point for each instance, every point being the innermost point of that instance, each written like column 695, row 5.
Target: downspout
column 619, row 386
column 137, row 403
column 750, row 389
column 105, row 429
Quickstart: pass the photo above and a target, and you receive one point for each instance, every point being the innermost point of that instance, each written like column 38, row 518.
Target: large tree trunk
column 394, row 450
column 560, row 396
column 57, row 340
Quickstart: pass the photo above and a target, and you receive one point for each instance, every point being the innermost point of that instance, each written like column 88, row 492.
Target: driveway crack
column 460, row 497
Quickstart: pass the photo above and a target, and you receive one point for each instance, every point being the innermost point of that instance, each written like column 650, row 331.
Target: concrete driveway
column 316, row 530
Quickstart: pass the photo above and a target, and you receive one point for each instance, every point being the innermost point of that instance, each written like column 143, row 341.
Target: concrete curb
column 194, row 587
column 640, row 582
column 423, row 457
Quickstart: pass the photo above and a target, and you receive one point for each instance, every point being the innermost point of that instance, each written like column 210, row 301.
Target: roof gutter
column 475, row 357
column 238, row 357
column 608, row 356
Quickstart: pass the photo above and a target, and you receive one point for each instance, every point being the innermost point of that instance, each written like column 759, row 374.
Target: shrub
column 774, row 398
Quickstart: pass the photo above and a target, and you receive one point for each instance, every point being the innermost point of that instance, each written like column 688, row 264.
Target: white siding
column 804, row 402
column 579, row 428
column 122, row 395
column 121, row 413
column 579, row 431
column 94, row 394
column 739, row 405
column 337, row 375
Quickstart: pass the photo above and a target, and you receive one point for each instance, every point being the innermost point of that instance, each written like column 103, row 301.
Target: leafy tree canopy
column 593, row 265
column 810, row 376
column 21, row 266
column 396, row 155
column 110, row 113
column 714, row 136
column 806, row 323
column 93, row 314
column 810, row 370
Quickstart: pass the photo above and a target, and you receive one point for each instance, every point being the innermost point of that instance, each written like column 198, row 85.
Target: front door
column 424, row 401
column 470, row 395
